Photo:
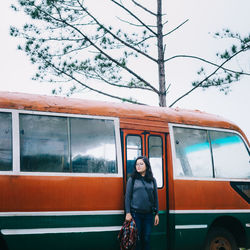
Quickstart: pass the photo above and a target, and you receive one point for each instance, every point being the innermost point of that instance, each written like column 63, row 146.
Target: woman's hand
column 128, row 217
column 157, row 220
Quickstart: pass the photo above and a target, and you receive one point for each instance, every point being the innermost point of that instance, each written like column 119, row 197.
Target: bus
column 64, row 164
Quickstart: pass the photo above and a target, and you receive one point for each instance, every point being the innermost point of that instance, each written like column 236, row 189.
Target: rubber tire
column 221, row 239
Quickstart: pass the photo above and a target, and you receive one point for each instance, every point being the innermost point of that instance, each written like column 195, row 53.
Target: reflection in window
column 60, row 144
column 44, row 143
column 5, row 142
column 93, row 146
column 155, row 158
column 193, row 157
column 231, row 157
column 134, row 149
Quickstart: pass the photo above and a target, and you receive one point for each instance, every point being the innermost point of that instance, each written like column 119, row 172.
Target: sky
column 194, row 38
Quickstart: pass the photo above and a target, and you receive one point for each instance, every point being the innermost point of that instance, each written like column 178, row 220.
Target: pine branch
column 144, row 8
column 88, row 87
column 206, row 61
column 116, row 37
column 120, row 85
column 176, row 28
column 220, row 67
column 134, row 16
column 101, row 51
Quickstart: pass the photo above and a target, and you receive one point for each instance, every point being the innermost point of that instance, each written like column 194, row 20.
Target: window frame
column 12, row 142
column 16, row 144
column 174, row 159
column 162, row 160
column 126, row 144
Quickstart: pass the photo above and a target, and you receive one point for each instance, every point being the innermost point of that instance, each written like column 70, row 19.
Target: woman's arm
column 128, row 196
column 156, row 220
column 156, row 201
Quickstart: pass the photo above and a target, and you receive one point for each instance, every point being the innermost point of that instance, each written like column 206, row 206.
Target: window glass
column 5, row 142
column 134, row 149
column 231, row 157
column 93, row 146
column 44, row 143
column 60, row 144
column 193, row 156
column 155, row 158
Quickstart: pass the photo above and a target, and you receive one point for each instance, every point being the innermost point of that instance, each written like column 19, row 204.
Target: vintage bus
column 64, row 164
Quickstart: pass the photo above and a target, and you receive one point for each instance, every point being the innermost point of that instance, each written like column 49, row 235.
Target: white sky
column 193, row 39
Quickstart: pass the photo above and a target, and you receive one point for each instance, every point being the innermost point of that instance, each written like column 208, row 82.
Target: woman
column 141, row 201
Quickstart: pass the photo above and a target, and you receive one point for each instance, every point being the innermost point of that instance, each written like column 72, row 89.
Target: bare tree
column 71, row 44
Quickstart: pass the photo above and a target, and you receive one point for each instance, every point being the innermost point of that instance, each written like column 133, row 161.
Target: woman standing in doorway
column 141, row 201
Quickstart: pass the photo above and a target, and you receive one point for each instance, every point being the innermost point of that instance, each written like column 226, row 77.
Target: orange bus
column 64, row 163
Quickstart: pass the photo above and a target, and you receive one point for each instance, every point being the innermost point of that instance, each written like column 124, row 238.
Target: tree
column 71, row 44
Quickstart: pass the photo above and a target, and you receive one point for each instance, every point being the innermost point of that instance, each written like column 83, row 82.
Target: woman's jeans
column 144, row 224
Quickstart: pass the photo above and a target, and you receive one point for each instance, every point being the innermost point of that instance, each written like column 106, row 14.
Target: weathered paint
column 132, row 116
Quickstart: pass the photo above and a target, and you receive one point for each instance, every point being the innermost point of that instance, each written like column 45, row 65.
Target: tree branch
column 208, row 76
column 102, row 52
column 120, row 85
column 116, row 37
column 134, row 16
column 206, row 61
column 144, row 8
column 176, row 28
column 88, row 87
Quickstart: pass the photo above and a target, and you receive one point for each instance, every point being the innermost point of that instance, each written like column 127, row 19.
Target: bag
column 128, row 235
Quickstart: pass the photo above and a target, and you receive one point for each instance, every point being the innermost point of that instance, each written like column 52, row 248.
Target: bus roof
column 126, row 112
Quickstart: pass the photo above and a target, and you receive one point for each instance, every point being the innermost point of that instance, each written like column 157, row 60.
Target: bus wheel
column 220, row 239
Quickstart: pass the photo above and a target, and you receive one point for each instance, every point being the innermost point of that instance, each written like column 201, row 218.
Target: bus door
column 153, row 145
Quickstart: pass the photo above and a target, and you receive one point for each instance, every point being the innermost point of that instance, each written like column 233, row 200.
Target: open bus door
column 153, row 145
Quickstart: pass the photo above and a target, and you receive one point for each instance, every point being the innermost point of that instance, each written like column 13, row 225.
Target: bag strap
column 151, row 199
column 132, row 189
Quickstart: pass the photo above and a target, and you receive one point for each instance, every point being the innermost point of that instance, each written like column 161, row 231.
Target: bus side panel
column 197, row 194
column 59, row 193
column 198, row 204
column 92, row 208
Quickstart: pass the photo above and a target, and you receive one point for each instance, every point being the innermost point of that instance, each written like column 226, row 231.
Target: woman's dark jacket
column 137, row 199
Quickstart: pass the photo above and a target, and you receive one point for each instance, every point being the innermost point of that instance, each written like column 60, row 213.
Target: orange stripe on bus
column 59, row 193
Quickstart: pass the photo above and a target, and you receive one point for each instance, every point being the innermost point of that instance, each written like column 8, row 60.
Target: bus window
column 43, row 143
column 61, row 144
column 93, row 146
column 231, row 157
column 193, row 156
column 155, row 158
column 5, row 142
column 134, row 149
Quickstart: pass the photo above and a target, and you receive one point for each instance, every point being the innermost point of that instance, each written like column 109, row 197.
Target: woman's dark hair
column 149, row 175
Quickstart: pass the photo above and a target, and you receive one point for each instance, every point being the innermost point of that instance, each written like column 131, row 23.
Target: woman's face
column 141, row 167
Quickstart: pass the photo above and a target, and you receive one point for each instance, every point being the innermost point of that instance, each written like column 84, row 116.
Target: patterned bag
column 128, row 235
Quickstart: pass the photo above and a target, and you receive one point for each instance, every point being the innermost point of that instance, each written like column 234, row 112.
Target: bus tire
column 220, row 238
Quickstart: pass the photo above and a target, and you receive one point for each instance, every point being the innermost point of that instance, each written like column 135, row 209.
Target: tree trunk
column 161, row 68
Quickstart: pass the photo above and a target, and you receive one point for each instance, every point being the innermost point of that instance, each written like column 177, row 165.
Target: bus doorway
column 153, row 145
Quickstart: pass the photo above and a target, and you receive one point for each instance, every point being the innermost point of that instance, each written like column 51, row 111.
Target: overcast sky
column 194, row 38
